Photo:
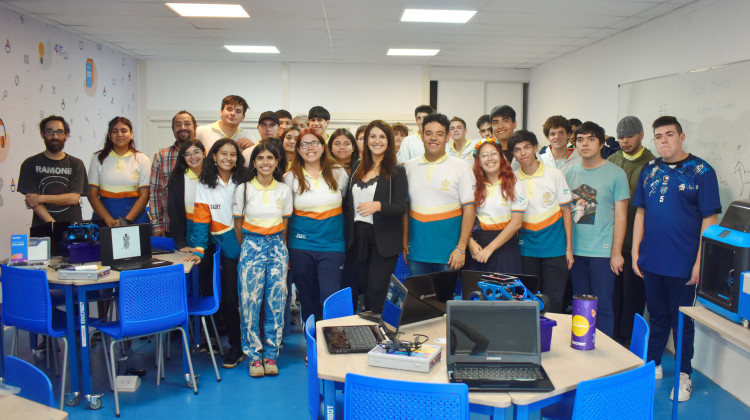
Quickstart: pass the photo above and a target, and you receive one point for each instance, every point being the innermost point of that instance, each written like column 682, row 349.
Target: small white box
column 128, row 383
column 421, row 360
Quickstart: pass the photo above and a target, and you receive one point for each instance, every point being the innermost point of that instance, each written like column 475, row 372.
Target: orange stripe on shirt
column 263, row 230
column 435, row 217
column 319, row 215
column 543, row 224
column 127, row 194
column 201, row 213
column 218, row 227
column 189, row 216
column 496, row 226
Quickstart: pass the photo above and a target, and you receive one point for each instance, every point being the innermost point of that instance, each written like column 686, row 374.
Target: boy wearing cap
column 629, row 297
column 268, row 125
column 600, row 206
column 677, row 199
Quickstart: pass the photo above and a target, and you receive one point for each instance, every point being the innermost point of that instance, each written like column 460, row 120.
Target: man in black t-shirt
column 53, row 181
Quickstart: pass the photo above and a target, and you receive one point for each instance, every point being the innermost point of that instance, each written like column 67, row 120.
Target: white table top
column 730, row 331
column 14, row 407
column 175, row 257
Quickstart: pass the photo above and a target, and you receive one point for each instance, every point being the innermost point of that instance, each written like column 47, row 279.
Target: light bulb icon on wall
column 41, row 53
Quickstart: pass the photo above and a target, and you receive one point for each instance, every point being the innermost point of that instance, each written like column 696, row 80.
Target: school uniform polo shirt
column 411, row 147
column 262, row 209
column 212, row 219
column 495, row 212
column 466, row 154
column 317, row 222
column 120, row 176
column 437, row 193
column 542, row 234
column 211, row 133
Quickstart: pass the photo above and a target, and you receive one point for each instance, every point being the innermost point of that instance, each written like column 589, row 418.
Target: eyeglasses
column 310, row 145
column 485, row 156
column 197, row 153
column 50, row 132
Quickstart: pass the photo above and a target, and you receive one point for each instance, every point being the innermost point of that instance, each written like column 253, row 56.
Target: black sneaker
column 234, row 357
column 203, row 347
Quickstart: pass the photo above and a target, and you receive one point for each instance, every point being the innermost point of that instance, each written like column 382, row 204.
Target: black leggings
column 230, row 301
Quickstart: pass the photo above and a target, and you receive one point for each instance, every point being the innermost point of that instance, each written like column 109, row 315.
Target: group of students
column 337, row 211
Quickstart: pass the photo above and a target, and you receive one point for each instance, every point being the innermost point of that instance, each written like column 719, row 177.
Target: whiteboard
column 713, row 107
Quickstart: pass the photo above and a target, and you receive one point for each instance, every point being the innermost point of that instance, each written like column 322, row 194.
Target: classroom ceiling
column 504, row 33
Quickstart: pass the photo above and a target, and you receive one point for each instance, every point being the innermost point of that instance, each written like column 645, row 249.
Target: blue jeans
column 593, row 276
column 417, row 268
column 664, row 296
column 262, row 283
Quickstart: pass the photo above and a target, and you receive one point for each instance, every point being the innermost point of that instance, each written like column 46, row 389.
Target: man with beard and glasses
column 53, row 181
column 183, row 127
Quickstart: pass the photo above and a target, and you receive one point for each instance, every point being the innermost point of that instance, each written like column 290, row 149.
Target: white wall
column 583, row 84
column 36, row 82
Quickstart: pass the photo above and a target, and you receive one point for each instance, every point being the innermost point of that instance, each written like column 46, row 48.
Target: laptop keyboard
column 498, row 373
column 135, row 265
column 360, row 337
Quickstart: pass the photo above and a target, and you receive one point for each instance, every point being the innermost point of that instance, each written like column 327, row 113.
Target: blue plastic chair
column 376, row 398
column 34, row 384
column 150, row 301
column 639, row 337
column 627, row 395
column 338, row 304
column 204, row 306
column 402, row 270
column 314, row 395
column 163, row 243
column 27, row 305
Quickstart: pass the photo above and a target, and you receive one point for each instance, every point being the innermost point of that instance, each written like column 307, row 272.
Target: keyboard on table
column 360, row 337
column 498, row 373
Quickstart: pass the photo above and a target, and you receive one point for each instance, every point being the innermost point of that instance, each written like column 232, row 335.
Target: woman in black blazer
column 375, row 203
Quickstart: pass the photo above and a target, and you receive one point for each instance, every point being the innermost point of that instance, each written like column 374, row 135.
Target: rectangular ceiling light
column 255, row 49
column 413, row 52
column 439, row 16
column 208, row 10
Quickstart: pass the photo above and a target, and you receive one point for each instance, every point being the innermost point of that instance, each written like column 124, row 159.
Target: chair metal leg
column 186, row 347
column 57, row 371
column 216, row 332
column 210, row 348
column 106, row 360
column 53, row 354
column 159, row 360
column 63, row 380
column 14, row 344
column 112, row 366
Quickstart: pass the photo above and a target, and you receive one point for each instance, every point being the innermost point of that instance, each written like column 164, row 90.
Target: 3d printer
column 725, row 265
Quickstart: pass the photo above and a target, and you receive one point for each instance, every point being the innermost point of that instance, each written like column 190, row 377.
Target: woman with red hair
column 500, row 205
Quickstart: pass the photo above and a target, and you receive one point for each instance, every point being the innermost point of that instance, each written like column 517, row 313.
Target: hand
column 616, row 262
column 569, row 258
column 192, row 258
column 368, row 208
column 636, row 269
column 33, row 200
column 474, row 248
column 456, row 260
column 695, row 276
column 114, row 223
column 406, row 252
column 483, row 255
column 244, row 143
column 187, row 249
column 159, row 233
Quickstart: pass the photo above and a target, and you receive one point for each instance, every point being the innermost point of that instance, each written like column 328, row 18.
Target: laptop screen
column 393, row 306
column 493, row 330
column 125, row 243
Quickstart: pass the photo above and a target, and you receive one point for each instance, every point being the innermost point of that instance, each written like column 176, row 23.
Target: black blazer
column 389, row 229
column 176, row 210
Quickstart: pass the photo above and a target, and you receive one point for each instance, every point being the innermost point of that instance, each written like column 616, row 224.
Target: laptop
column 495, row 346
column 37, row 254
column 427, row 295
column 362, row 338
column 128, row 247
column 470, row 279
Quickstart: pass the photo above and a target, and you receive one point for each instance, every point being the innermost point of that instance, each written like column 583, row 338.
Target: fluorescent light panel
column 208, row 10
column 439, row 16
column 414, row 52
column 257, row 49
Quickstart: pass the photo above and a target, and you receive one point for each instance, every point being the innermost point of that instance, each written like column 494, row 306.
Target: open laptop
column 427, row 295
column 128, row 247
column 37, row 254
column 362, row 338
column 470, row 279
column 495, row 346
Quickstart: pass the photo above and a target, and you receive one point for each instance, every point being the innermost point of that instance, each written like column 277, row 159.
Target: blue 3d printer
column 725, row 265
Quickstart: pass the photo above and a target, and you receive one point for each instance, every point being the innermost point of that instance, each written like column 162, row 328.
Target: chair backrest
column 26, row 299
column 152, row 299
column 34, row 384
column 630, row 394
column 639, row 337
column 313, row 383
column 376, row 398
column 163, row 243
column 216, row 270
column 402, row 270
column 338, row 304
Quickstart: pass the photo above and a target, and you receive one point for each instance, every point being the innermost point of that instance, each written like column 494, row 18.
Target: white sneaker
column 686, row 388
column 658, row 372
